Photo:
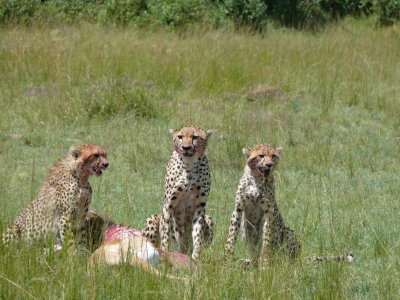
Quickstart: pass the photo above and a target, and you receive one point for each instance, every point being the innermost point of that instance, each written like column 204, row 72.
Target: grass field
column 337, row 183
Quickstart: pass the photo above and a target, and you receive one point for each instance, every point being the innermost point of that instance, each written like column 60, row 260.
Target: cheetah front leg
column 208, row 234
column 266, row 238
column 63, row 226
column 170, row 222
column 152, row 229
column 171, row 200
column 165, row 227
column 198, row 230
column 67, row 225
column 234, row 225
column 267, row 228
column 181, row 244
column 251, row 232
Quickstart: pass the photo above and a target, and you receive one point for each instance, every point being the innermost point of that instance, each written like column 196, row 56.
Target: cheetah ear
column 171, row 131
column 246, row 152
column 279, row 150
column 75, row 152
column 209, row 133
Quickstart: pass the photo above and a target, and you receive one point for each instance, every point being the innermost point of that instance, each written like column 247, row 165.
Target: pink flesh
column 179, row 259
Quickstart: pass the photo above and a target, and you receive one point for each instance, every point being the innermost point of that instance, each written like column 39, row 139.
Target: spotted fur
column 152, row 230
column 187, row 185
column 256, row 210
column 63, row 200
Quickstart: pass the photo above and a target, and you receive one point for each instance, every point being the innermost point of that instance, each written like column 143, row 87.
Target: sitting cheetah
column 255, row 198
column 63, row 200
column 187, row 185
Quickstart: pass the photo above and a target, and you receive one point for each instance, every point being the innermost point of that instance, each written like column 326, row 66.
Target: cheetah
column 63, row 200
column 186, row 188
column 256, row 210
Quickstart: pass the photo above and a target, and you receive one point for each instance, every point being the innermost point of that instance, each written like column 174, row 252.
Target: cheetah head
column 262, row 159
column 190, row 141
column 91, row 158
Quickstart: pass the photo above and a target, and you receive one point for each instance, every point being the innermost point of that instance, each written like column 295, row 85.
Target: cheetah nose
column 269, row 164
column 186, row 148
column 106, row 165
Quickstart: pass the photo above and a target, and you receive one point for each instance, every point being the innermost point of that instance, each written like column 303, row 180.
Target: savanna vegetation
column 305, row 14
column 337, row 118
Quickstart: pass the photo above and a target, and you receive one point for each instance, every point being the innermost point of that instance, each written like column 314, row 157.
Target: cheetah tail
column 341, row 258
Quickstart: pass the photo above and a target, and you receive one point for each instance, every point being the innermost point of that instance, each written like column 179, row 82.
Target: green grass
column 338, row 179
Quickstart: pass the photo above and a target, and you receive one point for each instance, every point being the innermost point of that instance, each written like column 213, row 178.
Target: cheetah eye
column 261, row 156
column 96, row 155
column 274, row 156
column 180, row 137
column 195, row 137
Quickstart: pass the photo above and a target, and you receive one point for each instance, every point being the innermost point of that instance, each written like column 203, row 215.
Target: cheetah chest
column 190, row 193
column 186, row 187
column 82, row 201
column 254, row 195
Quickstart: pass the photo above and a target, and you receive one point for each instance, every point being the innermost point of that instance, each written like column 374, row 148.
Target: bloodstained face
column 262, row 159
column 92, row 157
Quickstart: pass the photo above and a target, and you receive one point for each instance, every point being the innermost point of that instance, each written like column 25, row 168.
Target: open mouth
column 264, row 172
column 187, row 154
column 97, row 172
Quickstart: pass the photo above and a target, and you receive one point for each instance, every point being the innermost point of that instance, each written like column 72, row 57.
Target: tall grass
column 337, row 184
